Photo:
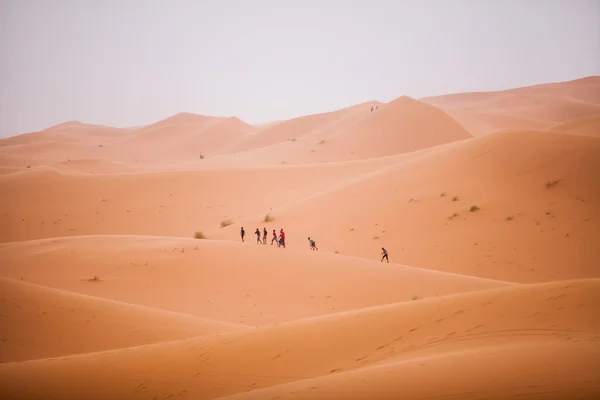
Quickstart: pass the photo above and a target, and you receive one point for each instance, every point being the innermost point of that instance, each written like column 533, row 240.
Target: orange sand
column 533, row 107
column 105, row 293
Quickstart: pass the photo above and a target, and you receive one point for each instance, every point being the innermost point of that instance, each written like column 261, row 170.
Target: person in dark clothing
column 264, row 235
column 385, row 255
column 242, row 233
column 313, row 245
column 274, row 238
column 257, row 233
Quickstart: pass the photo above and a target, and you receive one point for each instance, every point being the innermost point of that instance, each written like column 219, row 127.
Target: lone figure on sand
column 242, row 233
column 385, row 255
column 257, row 233
column 313, row 245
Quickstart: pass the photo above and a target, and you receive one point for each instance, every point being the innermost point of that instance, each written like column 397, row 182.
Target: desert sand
column 123, row 274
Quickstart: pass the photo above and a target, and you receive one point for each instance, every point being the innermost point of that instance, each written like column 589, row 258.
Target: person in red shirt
column 274, row 238
column 282, row 238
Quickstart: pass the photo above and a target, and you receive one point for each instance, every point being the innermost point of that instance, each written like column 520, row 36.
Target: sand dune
column 39, row 322
column 234, row 282
column 305, row 126
column 186, row 136
column 175, row 139
column 44, row 153
column 546, row 108
column 561, row 314
column 69, row 132
column 589, row 126
column 557, row 371
column 163, row 204
column 71, row 140
column 488, row 204
column 481, row 122
column 522, row 232
column 558, row 224
column 400, row 126
column 533, row 107
column 95, row 166
column 585, row 90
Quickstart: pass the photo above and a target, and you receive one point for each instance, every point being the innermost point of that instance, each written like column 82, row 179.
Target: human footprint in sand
column 385, row 255
column 313, row 245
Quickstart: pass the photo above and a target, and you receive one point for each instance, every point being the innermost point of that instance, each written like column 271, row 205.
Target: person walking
column 385, row 255
column 257, row 233
column 282, row 238
column 274, row 238
column 264, row 235
column 242, row 233
column 313, row 245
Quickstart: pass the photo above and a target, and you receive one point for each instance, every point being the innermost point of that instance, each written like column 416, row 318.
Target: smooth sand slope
column 40, row 322
column 553, row 371
column 589, row 126
column 523, row 232
column 232, row 282
column 533, row 107
column 67, row 141
column 186, row 136
column 305, row 126
column 162, row 204
column 552, row 326
column 482, row 122
column 399, row 127
column 182, row 137
column 538, row 197
column 69, row 132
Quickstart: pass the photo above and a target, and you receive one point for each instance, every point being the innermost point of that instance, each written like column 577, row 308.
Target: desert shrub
column 226, row 222
column 269, row 218
column 473, row 208
column 199, row 235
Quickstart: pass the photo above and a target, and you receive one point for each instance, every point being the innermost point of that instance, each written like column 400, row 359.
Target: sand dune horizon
column 123, row 273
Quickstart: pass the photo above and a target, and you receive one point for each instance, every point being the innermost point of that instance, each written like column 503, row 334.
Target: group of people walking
column 280, row 240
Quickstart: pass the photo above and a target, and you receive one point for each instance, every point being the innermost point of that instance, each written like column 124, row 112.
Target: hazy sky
column 133, row 62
